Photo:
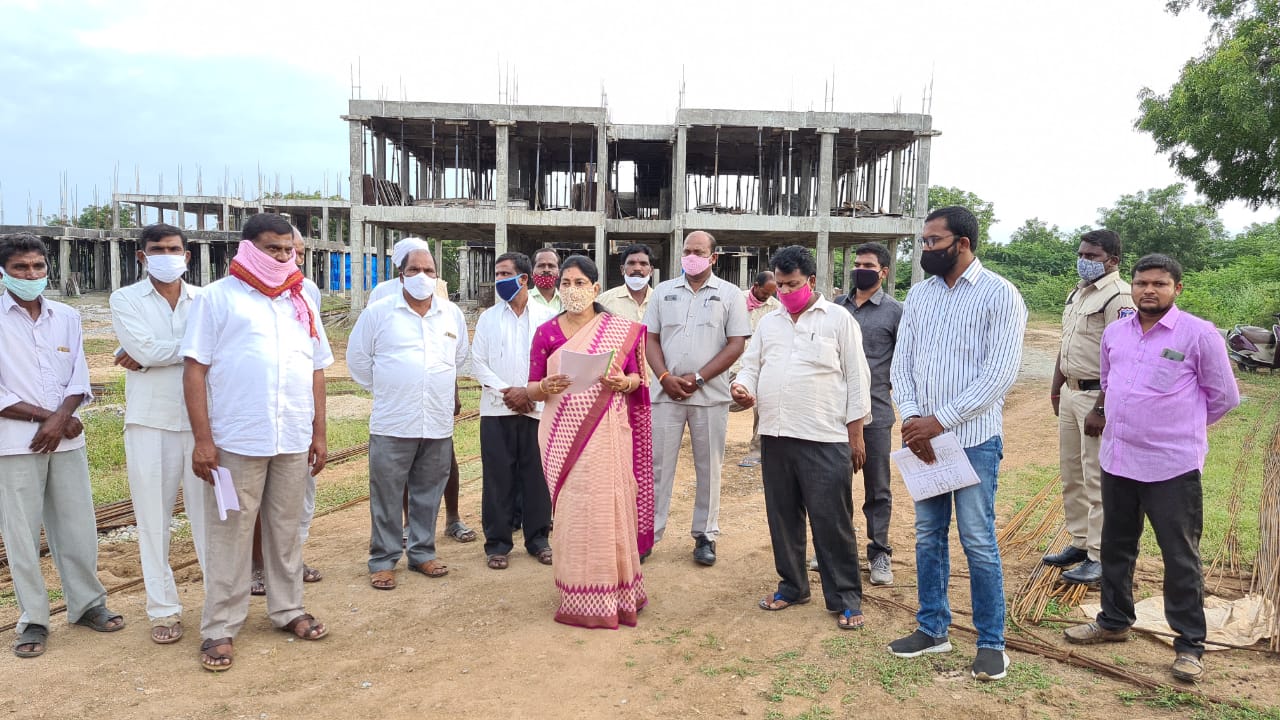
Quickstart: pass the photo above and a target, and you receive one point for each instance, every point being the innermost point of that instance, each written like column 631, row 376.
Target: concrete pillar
column 891, row 283
column 464, row 273
column 115, row 213
column 895, row 183
column 137, row 209
column 871, row 186
column 206, row 272
column 326, row 271
column 357, row 261
column 743, row 281
column 501, row 193
column 64, row 263
column 438, row 253
column 404, row 175
column 182, row 214
column 602, row 212
column 678, row 200
column 356, row 158
column 113, row 261
column 324, row 224
column 849, row 258
column 826, row 159
column 379, row 156
column 922, row 201
column 200, row 221
column 226, row 214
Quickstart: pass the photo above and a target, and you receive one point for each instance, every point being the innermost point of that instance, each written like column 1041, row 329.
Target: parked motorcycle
column 1253, row 347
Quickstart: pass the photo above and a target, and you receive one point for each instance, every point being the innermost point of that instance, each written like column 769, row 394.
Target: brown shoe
column 1187, row 668
column 1091, row 633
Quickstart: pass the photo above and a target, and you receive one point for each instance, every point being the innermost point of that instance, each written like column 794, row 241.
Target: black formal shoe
column 1069, row 556
column 1088, row 572
column 704, row 552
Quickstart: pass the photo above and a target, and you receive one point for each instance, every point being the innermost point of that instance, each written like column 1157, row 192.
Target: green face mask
column 27, row 290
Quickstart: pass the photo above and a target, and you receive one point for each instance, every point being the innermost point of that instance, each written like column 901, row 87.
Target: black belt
column 1085, row 385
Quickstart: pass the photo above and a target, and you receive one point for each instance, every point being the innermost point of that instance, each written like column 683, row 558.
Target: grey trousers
column 708, row 425
column 273, row 488
column 805, row 477
column 877, row 503
column 421, row 465
column 54, row 489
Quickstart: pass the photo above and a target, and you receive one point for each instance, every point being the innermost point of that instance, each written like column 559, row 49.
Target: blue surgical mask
column 27, row 290
column 507, row 288
column 1090, row 270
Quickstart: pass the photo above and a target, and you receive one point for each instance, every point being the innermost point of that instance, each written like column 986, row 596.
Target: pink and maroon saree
column 597, row 455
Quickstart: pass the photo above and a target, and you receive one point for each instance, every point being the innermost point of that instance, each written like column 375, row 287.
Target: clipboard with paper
column 949, row 472
column 584, row 369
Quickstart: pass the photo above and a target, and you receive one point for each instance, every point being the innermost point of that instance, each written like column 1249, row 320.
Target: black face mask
column 865, row 279
column 940, row 262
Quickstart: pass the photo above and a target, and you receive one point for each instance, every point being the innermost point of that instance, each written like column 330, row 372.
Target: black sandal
column 99, row 618
column 33, row 635
column 312, row 625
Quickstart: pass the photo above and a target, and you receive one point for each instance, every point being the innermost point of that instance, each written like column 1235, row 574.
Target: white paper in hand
column 583, row 369
column 950, row 470
column 224, row 490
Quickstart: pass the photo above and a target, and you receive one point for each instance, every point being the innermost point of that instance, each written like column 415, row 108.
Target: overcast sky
column 1035, row 101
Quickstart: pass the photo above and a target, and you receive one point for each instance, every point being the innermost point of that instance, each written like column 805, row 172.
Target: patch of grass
column 346, row 432
column 742, row 668
column 817, row 712
column 1055, row 608
column 673, row 637
column 1166, row 698
column 711, row 642
column 902, row 679
column 799, row 680
column 1022, row 678
column 104, row 444
column 100, row 345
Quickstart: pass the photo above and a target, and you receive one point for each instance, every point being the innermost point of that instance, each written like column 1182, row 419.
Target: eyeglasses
column 929, row 242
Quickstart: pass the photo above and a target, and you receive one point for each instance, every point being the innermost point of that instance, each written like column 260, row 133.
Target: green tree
column 1160, row 220
column 1220, row 121
column 93, row 217
column 1244, row 290
column 985, row 211
column 1040, row 260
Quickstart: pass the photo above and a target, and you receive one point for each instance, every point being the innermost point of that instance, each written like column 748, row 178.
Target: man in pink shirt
column 1161, row 363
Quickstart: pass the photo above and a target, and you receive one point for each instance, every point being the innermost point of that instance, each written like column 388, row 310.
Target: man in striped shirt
column 959, row 348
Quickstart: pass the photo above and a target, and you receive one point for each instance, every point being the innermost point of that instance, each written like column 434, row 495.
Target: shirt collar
column 1170, row 319
column 874, row 299
column 1110, row 278
column 188, row 291
column 435, row 304
column 712, row 282
column 973, row 272
column 7, row 304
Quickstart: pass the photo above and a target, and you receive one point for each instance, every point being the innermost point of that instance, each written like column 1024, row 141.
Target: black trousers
column 805, row 477
column 1175, row 508
column 877, row 503
column 512, row 467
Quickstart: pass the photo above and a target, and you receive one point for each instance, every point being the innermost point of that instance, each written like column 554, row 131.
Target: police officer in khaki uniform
column 1100, row 298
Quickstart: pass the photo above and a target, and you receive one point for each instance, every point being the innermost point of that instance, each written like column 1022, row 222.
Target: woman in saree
column 597, row 455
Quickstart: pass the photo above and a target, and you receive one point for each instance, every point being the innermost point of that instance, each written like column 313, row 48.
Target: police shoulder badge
column 1125, row 312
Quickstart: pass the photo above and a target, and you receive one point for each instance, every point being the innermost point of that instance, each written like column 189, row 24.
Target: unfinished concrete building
column 92, row 260
column 517, row 177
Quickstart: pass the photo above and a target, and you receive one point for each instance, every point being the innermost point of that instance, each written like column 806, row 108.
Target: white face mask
column 636, row 283
column 420, row 286
column 166, row 268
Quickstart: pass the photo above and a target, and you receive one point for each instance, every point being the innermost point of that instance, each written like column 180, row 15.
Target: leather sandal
column 209, row 657
column 312, row 626
column 383, row 580
column 431, row 568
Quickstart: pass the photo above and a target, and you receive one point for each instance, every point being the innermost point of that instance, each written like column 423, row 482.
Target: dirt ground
column 482, row 644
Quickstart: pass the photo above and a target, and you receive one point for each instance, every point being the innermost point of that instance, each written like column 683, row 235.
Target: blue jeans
column 976, row 524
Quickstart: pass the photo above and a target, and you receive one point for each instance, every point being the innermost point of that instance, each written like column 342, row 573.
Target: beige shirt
column 810, row 377
column 695, row 327
column 769, row 306
column 553, row 304
column 1090, row 308
column 619, row 302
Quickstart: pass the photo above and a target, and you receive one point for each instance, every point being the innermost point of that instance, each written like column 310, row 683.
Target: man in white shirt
column 631, row 299
column 508, row 418
column 958, row 351
column 761, row 301
column 254, row 383
column 805, row 365
column 150, row 318
column 546, row 279
column 312, row 291
column 44, row 471
column 697, row 326
column 406, row 350
column 454, row 526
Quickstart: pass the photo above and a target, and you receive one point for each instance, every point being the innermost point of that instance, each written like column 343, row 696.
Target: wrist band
column 1054, row 397
column 663, row 375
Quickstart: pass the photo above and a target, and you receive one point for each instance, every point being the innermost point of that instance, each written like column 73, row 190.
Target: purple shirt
column 1164, row 388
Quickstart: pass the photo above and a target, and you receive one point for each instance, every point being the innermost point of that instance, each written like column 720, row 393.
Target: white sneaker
column 881, row 572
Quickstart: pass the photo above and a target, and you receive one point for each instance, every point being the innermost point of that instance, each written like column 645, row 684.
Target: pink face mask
column 695, row 264
column 795, row 300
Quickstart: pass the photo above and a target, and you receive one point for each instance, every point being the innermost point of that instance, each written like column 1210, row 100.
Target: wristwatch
column 697, row 377
column 1100, row 411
